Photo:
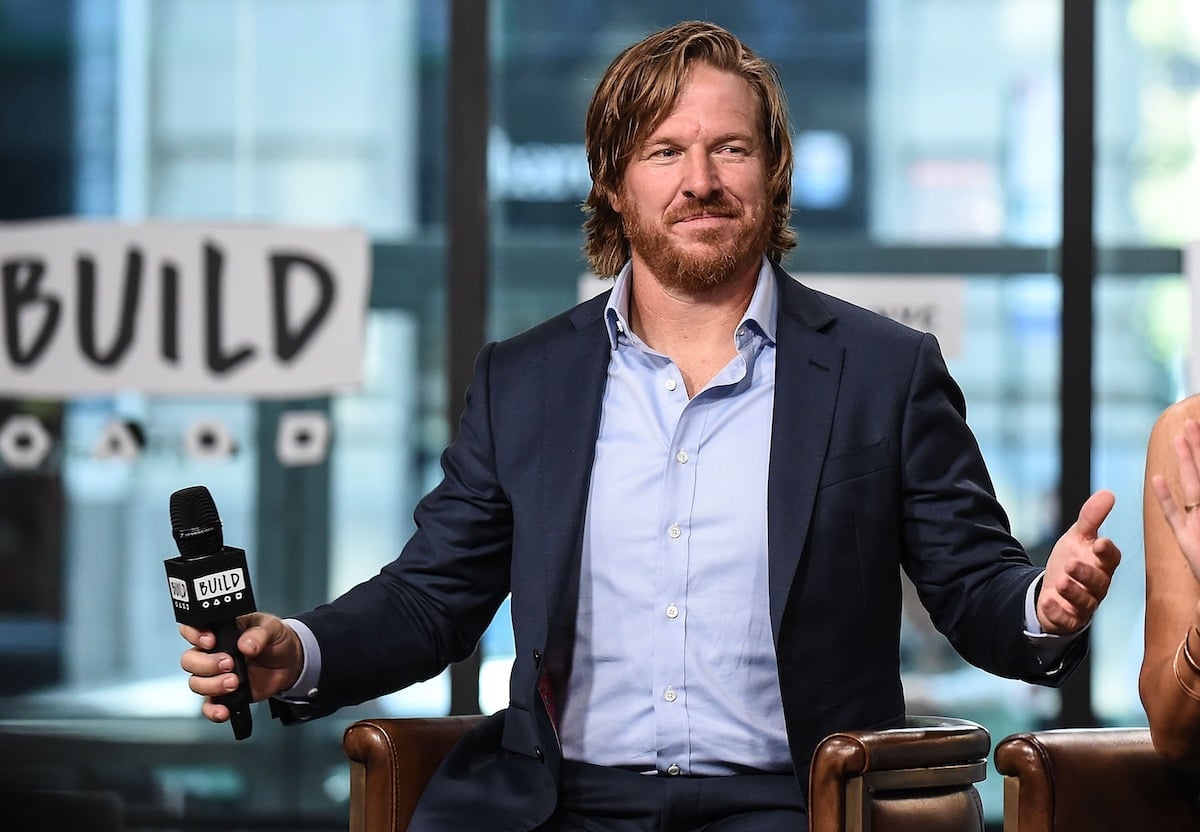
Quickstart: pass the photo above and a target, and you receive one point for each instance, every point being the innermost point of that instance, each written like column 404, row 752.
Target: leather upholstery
column 913, row 779
column 920, row 777
column 391, row 760
column 1091, row 778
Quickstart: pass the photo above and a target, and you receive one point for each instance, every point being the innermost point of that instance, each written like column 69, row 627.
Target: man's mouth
column 705, row 215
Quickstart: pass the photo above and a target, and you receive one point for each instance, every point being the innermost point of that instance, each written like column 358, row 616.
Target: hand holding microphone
column 210, row 588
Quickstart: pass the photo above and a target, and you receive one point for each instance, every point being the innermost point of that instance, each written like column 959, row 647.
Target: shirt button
column 681, row 457
column 670, row 695
column 673, row 769
column 671, row 384
column 672, row 612
column 674, row 531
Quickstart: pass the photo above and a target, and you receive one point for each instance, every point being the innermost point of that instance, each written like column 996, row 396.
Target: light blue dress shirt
column 673, row 668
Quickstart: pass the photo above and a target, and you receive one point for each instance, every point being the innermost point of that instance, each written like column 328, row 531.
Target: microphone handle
column 238, row 702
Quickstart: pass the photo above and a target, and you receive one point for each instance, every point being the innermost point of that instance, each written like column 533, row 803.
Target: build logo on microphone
column 223, row 587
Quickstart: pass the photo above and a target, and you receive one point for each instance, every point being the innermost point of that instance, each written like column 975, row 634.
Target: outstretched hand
column 1080, row 570
column 1184, row 519
column 274, row 659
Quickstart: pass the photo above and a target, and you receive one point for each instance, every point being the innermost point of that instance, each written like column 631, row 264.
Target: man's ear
column 613, row 195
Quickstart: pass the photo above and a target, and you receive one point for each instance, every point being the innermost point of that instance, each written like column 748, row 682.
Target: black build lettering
column 920, row 317
column 86, row 319
column 290, row 340
column 169, row 335
column 219, row 361
column 20, row 293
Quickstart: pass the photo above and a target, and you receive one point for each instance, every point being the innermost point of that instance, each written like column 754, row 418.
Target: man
column 700, row 490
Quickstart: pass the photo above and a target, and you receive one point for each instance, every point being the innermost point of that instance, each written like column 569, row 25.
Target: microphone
column 210, row 588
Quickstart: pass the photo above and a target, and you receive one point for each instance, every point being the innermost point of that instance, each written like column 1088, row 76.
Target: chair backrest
column 919, row 777
column 1091, row 778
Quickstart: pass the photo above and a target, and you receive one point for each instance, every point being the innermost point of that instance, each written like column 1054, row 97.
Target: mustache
column 704, row 208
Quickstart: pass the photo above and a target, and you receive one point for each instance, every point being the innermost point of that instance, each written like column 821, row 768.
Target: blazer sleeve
column 970, row 572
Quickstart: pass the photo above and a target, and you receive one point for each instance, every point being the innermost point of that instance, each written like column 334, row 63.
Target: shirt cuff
column 1048, row 648
column 305, row 689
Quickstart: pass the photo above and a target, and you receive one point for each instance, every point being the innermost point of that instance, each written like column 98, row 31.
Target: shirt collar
column 761, row 312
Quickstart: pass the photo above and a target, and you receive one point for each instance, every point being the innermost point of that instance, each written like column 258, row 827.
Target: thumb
column 259, row 632
column 1094, row 512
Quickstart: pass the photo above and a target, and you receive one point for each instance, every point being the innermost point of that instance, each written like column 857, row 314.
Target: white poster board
column 166, row 308
column 933, row 304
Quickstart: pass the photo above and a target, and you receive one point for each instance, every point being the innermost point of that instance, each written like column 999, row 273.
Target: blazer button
column 537, row 658
column 537, row 752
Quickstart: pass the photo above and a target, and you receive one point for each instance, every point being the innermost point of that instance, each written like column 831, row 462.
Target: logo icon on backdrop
column 209, row 439
column 24, row 442
column 121, row 439
column 302, row 438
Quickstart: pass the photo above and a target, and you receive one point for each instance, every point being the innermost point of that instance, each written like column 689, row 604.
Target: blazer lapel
column 808, row 371
column 576, row 371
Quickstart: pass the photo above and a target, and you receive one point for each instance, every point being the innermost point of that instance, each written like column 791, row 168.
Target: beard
column 715, row 255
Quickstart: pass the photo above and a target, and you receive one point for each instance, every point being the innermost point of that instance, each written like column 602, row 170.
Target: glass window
column 313, row 113
column 921, row 128
column 1146, row 196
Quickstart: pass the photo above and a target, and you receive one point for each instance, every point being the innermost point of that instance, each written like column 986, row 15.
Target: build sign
column 181, row 309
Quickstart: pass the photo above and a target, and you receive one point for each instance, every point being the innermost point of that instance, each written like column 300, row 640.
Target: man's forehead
column 722, row 116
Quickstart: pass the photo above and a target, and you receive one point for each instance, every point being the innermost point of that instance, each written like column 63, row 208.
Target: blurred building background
column 929, row 141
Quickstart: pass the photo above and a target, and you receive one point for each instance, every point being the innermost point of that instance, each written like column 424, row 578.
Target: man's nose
column 701, row 179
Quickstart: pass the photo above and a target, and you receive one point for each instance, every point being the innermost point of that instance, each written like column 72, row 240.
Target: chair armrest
column 922, row 775
column 391, row 760
column 1090, row 778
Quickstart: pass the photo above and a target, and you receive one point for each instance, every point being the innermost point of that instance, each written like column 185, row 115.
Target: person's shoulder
column 849, row 319
column 1170, row 421
column 547, row 333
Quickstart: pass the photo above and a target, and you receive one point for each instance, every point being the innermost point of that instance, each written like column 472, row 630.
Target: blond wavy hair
column 638, row 91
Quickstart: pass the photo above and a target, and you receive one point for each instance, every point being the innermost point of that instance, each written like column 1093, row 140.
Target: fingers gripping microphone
column 210, row 588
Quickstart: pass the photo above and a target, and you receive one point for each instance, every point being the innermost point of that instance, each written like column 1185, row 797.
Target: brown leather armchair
column 1090, row 778
column 391, row 760
column 919, row 778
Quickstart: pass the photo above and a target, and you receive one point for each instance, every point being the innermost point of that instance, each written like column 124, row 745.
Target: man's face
column 694, row 198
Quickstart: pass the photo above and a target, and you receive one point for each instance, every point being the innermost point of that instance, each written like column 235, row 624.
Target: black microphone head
column 195, row 524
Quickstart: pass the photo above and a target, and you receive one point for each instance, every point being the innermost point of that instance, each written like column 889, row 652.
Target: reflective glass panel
column 319, row 113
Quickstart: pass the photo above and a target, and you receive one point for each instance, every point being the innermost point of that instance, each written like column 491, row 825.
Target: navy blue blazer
column 873, row 470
